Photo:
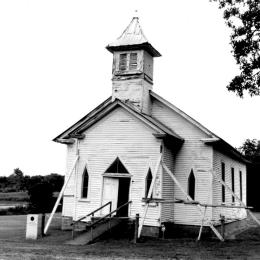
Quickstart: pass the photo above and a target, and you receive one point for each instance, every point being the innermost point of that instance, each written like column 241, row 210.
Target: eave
column 61, row 138
column 224, row 147
column 132, row 47
column 77, row 130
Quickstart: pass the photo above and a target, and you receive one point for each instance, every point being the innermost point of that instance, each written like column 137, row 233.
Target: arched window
column 148, row 181
column 84, row 193
column 191, row 185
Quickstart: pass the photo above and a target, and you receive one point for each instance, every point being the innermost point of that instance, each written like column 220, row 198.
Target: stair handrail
column 93, row 212
column 109, row 214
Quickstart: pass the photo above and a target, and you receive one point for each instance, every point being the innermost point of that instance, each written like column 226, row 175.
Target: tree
column 41, row 197
column 251, row 150
column 16, row 179
column 243, row 17
column 55, row 180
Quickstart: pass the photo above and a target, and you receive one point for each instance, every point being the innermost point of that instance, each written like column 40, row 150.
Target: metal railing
column 90, row 214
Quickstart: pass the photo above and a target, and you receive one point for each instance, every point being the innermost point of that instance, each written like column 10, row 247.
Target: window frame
column 128, row 61
column 233, row 183
column 83, row 188
column 223, row 177
column 150, row 182
column 193, row 187
column 241, row 185
column 123, row 62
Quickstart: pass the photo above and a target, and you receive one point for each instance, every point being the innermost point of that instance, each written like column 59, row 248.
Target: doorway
column 123, row 196
column 117, row 191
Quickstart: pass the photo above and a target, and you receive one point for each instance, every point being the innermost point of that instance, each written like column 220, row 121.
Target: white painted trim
column 86, row 165
column 117, row 175
column 120, row 175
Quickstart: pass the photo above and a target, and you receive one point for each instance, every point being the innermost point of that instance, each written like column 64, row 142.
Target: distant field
column 13, row 196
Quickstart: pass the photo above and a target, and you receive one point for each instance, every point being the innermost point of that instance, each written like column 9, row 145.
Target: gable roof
column 181, row 113
column 214, row 140
column 133, row 38
column 76, row 130
column 161, row 130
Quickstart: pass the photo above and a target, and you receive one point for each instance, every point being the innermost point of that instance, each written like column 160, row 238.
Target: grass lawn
column 14, row 246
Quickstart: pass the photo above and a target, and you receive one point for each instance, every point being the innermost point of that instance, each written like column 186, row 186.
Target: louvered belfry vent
column 116, row 167
column 123, row 62
column 133, row 61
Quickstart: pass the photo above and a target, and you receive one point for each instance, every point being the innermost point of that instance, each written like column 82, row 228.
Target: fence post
column 136, row 228
column 43, row 224
column 222, row 220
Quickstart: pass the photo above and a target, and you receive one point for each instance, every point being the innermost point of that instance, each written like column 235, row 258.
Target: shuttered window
column 241, row 186
column 123, row 62
column 191, row 185
column 148, row 181
column 85, row 184
column 223, row 179
column 133, row 61
column 233, row 182
column 128, row 61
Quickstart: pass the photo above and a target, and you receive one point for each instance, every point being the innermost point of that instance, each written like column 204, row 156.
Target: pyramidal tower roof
column 133, row 38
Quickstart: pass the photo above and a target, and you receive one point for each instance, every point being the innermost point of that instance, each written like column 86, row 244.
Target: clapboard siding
column 67, row 209
column 218, row 158
column 71, row 156
column 193, row 154
column 167, row 186
column 119, row 134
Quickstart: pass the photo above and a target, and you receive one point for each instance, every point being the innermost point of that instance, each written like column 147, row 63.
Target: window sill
column 83, row 200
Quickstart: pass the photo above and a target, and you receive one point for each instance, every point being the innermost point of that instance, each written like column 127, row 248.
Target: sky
column 54, row 69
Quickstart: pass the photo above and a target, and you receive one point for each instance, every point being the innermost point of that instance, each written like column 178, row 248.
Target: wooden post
column 91, row 228
column 189, row 198
column 238, row 199
column 202, row 223
column 222, row 220
column 136, row 228
column 59, row 197
column 150, row 194
column 43, row 224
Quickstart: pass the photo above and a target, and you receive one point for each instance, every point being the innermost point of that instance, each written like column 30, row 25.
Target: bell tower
column 133, row 67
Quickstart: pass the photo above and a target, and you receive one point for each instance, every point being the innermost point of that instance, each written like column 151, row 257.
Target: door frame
column 119, row 175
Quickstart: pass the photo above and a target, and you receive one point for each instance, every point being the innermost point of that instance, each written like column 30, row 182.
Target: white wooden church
column 139, row 148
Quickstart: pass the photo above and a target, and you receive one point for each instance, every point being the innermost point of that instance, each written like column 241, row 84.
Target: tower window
column 148, row 181
column 223, row 179
column 191, row 185
column 123, row 61
column 128, row 61
column 133, row 61
column 85, row 184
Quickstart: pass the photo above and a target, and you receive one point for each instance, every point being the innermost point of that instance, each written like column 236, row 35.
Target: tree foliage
column 41, row 197
column 243, row 17
column 251, row 150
